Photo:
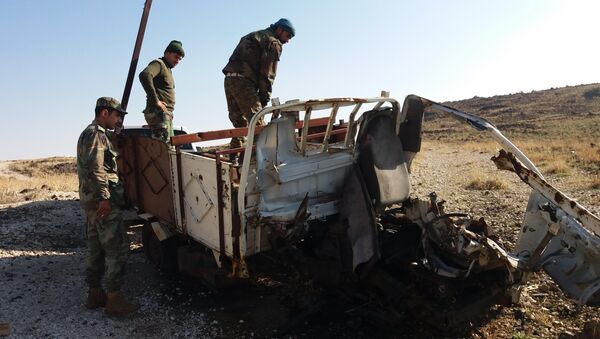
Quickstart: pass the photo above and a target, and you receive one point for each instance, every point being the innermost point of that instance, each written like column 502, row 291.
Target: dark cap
column 175, row 46
column 286, row 25
column 110, row 103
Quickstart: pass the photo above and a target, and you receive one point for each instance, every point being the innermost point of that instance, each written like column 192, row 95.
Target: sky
column 59, row 56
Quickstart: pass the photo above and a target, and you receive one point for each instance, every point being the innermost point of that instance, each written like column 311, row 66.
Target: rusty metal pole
column 136, row 54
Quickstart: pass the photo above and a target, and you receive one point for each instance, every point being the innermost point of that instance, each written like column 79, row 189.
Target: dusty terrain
column 42, row 254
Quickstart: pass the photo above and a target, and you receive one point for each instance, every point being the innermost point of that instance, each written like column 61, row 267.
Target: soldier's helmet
column 112, row 103
column 286, row 25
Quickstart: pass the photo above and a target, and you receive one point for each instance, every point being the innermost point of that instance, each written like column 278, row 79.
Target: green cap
column 175, row 46
column 110, row 103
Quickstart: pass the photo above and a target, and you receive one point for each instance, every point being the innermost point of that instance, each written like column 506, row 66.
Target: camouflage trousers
column 108, row 248
column 242, row 103
column 161, row 124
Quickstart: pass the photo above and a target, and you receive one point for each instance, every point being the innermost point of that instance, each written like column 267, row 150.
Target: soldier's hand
column 264, row 98
column 161, row 105
column 103, row 209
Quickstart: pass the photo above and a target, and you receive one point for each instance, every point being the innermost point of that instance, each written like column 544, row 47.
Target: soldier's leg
column 94, row 262
column 243, row 102
column 247, row 98
column 157, row 123
column 114, row 240
column 169, row 125
column 235, row 115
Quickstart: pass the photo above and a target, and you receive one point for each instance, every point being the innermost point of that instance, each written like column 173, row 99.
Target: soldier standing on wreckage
column 102, row 197
column 157, row 81
column 250, row 73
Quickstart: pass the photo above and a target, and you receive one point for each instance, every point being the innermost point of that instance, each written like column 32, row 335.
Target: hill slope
column 566, row 112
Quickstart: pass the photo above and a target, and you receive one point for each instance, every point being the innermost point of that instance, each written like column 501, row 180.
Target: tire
column 161, row 254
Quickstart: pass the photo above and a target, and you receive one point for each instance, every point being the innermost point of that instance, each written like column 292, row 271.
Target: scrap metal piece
column 507, row 161
column 555, row 235
column 461, row 243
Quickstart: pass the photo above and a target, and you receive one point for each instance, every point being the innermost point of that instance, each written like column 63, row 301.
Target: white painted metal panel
column 200, row 200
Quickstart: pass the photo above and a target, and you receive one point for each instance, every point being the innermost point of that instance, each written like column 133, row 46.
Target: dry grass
column 484, row 182
column 42, row 177
column 562, row 157
column 558, row 129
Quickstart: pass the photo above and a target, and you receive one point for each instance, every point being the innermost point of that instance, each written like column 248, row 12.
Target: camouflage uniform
column 107, row 242
column 249, row 77
column 157, row 80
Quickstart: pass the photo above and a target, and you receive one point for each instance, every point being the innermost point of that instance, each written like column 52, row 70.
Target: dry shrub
column 591, row 93
column 47, row 166
column 481, row 182
column 595, row 183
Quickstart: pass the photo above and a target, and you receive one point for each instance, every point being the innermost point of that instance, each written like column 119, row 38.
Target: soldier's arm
column 268, row 70
column 147, row 80
column 95, row 147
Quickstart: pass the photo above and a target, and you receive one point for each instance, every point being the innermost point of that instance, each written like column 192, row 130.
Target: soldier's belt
column 234, row 75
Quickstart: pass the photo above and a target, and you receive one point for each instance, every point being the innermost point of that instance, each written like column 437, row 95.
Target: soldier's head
column 284, row 30
column 109, row 112
column 174, row 53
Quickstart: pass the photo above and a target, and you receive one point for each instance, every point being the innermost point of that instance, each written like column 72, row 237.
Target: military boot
column 117, row 305
column 96, row 298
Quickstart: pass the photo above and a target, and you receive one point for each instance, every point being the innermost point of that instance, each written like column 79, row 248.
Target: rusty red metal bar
column 233, row 132
column 136, row 54
column 322, row 134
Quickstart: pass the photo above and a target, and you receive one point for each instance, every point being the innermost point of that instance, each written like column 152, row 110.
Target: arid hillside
column 549, row 114
column 558, row 129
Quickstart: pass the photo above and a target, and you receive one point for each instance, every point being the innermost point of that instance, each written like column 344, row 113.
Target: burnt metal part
column 537, row 252
column 162, row 254
column 381, row 159
column 410, row 128
column 180, row 190
column 235, row 219
column 218, row 165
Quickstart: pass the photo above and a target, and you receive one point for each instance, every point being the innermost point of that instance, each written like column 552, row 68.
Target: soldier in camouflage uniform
column 102, row 197
column 157, row 81
column 250, row 73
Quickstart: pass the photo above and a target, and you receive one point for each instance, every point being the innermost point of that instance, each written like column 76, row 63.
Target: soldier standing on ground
column 250, row 73
column 158, row 83
column 102, row 198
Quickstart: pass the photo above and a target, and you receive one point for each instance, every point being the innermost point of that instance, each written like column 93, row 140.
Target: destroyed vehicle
column 332, row 198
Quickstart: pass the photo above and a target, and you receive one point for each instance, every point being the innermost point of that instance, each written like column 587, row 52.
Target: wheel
column 162, row 254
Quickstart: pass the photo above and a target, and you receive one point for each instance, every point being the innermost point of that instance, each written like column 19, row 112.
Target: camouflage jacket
column 256, row 57
column 157, row 80
column 97, row 167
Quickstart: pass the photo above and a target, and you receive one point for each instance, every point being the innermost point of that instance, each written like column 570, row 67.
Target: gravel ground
column 42, row 281
column 42, row 275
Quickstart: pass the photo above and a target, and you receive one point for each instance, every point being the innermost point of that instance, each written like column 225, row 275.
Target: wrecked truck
column 332, row 198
